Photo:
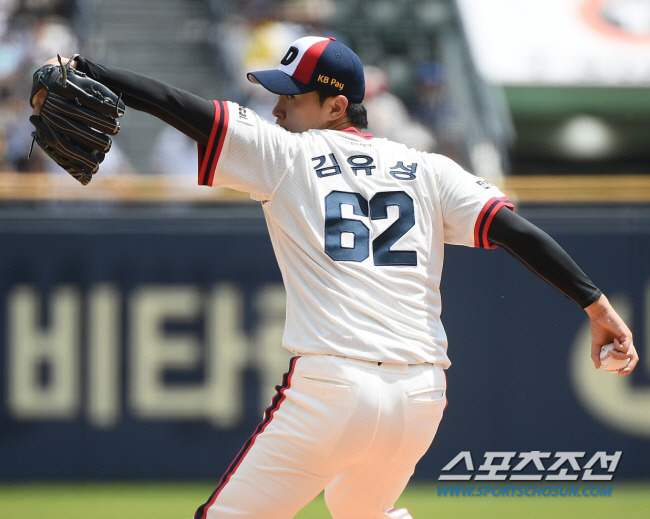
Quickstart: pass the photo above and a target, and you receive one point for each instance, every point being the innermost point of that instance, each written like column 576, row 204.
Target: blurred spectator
column 312, row 15
column 266, row 42
column 15, row 136
column 431, row 103
column 14, row 52
column 258, row 35
column 30, row 32
column 52, row 34
column 432, row 106
column 173, row 153
column 389, row 117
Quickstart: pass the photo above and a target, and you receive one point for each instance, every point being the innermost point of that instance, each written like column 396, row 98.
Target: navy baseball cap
column 315, row 63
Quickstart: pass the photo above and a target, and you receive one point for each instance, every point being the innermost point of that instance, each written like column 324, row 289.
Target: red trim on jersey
column 209, row 155
column 279, row 397
column 305, row 69
column 485, row 219
column 354, row 131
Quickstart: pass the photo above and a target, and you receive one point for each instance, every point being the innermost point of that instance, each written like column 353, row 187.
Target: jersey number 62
column 375, row 209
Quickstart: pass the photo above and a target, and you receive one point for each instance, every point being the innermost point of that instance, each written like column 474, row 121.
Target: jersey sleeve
column 244, row 152
column 468, row 204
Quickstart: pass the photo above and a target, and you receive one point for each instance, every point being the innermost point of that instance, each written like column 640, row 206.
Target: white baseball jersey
column 358, row 225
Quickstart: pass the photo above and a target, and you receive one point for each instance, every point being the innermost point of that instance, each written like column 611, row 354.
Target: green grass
column 178, row 501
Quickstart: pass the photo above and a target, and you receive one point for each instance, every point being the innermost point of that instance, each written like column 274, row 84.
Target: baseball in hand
column 609, row 363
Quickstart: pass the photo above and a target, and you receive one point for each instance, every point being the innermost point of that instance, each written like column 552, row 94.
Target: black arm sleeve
column 542, row 255
column 183, row 110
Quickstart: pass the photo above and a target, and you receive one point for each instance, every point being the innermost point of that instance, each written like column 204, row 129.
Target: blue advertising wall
column 144, row 343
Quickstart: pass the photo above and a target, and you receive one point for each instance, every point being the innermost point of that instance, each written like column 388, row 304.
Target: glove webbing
column 80, row 134
column 55, row 144
column 82, row 114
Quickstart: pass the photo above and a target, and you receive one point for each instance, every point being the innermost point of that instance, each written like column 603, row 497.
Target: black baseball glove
column 75, row 120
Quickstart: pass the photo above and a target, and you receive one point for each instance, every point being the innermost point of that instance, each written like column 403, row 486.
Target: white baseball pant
column 353, row 428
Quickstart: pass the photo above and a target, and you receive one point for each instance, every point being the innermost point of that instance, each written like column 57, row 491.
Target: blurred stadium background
column 141, row 316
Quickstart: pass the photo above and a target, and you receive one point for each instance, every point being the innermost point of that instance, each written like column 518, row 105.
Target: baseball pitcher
column 358, row 225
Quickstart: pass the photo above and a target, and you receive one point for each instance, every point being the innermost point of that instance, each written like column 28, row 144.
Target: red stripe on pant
column 202, row 511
